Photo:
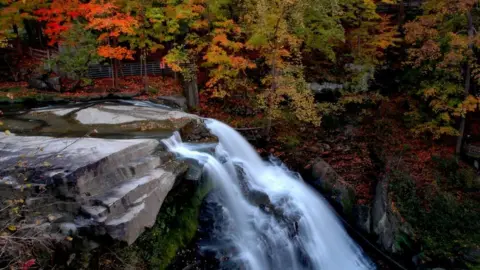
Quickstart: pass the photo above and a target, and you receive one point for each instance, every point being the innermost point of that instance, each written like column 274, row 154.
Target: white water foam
column 274, row 220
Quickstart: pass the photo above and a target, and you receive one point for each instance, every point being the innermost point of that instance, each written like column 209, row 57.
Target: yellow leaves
column 352, row 99
column 470, row 104
column 15, row 211
column 370, row 4
column 445, row 117
column 12, row 228
column 436, row 129
column 199, row 24
column 13, row 202
column 429, row 92
column 156, row 47
column 175, row 58
column 221, row 39
column 291, row 95
column 7, row 132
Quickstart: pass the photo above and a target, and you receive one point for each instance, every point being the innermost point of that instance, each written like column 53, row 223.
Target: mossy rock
column 176, row 225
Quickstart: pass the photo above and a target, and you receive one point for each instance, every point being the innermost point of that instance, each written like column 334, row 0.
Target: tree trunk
column 458, row 149
column 30, row 32
column 273, row 89
column 401, row 14
column 191, row 88
column 268, row 127
column 116, row 67
column 145, row 78
column 18, row 43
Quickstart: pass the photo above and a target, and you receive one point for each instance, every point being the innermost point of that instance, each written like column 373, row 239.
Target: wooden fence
column 128, row 69
column 42, row 54
column 105, row 70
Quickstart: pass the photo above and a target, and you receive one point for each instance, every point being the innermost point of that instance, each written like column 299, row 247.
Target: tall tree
column 278, row 30
column 112, row 23
column 184, row 19
column 13, row 13
column 443, row 41
column 104, row 18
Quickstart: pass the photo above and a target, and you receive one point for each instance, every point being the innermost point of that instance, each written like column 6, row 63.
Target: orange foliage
column 118, row 52
column 105, row 17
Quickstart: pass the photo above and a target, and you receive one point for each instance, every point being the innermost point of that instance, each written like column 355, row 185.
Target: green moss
column 453, row 175
column 443, row 225
column 290, row 141
column 153, row 90
column 348, row 200
column 11, row 89
column 175, row 227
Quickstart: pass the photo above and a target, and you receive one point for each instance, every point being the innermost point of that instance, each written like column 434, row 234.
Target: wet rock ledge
column 91, row 187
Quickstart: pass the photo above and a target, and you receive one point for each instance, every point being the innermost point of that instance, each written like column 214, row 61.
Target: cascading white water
column 273, row 219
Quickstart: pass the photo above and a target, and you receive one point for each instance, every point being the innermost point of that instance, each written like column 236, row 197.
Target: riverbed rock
column 37, row 83
column 54, row 83
column 105, row 119
column 196, row 131
column 177, row 102
column 328, row 181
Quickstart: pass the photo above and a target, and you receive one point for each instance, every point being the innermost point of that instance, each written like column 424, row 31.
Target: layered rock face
column 379, row 218
column 91, row 186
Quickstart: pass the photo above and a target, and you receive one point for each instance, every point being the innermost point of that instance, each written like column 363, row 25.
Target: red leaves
column 106, row 17
column 26, row 265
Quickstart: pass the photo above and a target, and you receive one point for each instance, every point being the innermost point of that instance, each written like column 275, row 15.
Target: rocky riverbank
column 79, row 192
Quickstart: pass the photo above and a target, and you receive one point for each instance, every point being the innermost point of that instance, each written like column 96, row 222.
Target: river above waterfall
column 267, row 217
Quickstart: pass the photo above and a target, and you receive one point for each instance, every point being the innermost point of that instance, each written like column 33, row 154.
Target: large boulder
column 327, row 180
column 86, row 185
column 92, row 186
column 37, row 83
column 379, row 218
column 386, row 221
column 196, row 131
column 44, row 82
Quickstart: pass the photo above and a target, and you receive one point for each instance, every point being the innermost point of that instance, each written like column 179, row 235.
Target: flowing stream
column 270, row 219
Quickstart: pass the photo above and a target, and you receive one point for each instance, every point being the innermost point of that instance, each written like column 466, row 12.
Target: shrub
column 443, row 224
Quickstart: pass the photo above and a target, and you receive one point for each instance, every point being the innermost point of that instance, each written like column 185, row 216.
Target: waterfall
column 271, row 219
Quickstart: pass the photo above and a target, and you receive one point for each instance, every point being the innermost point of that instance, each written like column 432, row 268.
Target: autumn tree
column 279, row 30
column 77, row 50
column 105, row 19
column 13, row 14
column 109, row 20
column 226, row 54
column 367, row 36
column 442, row 52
